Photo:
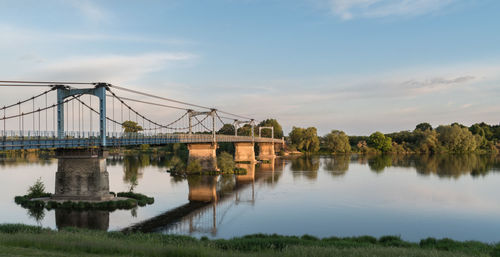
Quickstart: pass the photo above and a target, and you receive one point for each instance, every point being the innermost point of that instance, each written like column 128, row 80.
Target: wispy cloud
column 108, row 68
column 90, row 10
column 349, row 9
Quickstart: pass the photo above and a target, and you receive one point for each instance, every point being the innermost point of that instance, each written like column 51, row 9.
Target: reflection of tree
column 37, row 214
column 307, row 166
column 338, row 164
column 16, row 158
column 226, row 183
column 379, row 162
column 443, row 165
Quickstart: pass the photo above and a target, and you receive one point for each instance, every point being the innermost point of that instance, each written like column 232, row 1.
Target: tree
column 227, row 129
column 380, row 142
column 131, row 126
column 337, row 142
column 423, row 126
column 457, row 139
column 225, row 162
column 305, row 140
column 278, row 130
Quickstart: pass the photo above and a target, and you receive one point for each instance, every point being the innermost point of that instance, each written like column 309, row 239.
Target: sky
column 355, row 65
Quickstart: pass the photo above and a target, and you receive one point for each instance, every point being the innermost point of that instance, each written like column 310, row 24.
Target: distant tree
column 131, row 126
column 423, row 126
column 380, row 142
column 337, row 142
column 426, row 141
column 227, row 129
column 305, row 140
column 278, row 130
column 458, row 139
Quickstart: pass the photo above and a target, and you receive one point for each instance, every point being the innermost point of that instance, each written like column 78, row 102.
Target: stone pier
column 82, row 175
column 244, row 152
column 205, row 153
column 266, row 151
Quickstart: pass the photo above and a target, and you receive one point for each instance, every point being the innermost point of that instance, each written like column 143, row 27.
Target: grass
column 23, row 240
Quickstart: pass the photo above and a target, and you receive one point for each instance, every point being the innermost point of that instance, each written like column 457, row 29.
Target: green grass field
column 22, row 240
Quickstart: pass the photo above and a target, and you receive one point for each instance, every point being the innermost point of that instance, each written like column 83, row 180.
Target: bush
column 225, row 162
column 194, row 166
column 37, row 190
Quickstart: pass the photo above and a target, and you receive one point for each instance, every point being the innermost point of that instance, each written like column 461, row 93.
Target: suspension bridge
column 69, row 115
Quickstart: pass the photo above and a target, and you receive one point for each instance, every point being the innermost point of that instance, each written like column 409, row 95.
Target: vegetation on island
column 24, row 240
column 33, row 200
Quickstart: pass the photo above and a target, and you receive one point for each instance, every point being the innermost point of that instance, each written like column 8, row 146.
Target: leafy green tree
column 305, row 140
column 423, row 126
column 131, row 126
column 380, row 142
column 426, row 141
column 278, row 130
column 227, row 129
column 337, row 142
column 225, row 162
column 457, row 139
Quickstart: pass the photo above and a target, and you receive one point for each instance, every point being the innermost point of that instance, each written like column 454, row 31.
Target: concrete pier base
column 244, row 152
column 266, row 151
column 82, row 175
column 205, row 153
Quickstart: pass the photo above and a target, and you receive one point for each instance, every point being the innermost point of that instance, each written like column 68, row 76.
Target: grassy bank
column 22, row 240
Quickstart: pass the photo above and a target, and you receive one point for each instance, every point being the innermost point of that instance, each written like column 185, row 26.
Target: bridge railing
column 13, row 140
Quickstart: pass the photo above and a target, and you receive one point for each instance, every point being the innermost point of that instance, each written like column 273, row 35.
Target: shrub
column 194, row 166
column 37, row 190
column 225, row 162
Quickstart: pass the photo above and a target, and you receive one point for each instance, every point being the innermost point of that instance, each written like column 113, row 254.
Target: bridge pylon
column 64, row 92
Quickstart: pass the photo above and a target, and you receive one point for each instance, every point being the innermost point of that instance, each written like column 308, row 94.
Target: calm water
column 412, row 196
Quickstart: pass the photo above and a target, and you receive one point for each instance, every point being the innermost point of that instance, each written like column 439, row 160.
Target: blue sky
column 355, row 65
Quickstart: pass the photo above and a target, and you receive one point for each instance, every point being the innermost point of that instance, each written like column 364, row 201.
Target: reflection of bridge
column 71, row 120
column 211, row 198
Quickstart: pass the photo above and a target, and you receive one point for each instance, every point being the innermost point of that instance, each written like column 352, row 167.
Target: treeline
column 454, row 138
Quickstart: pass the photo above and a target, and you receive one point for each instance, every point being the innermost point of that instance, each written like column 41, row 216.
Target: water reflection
column 92, row 219
column 210, row 199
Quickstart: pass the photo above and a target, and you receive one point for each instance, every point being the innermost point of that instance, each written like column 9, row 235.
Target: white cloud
column 109, row 68
column 349, row 9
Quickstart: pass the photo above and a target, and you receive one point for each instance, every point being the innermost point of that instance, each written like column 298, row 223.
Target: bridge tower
column 64, row 92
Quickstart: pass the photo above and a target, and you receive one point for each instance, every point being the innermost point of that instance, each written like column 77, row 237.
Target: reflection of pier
column 211, row 198
column 98, row 220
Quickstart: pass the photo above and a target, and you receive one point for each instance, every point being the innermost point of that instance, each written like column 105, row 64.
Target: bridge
column 74, row 115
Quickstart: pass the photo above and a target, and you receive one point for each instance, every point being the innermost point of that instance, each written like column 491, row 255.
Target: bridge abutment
column 244, row 152
column 266, row 151
column 82, row 175
column 205, row 153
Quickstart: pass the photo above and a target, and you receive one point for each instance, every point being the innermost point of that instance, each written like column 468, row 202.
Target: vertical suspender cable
column 46, row 114
column 114, row 124
column 73, row 115
column 20, row 118
column 33, row 115
column 90, row 114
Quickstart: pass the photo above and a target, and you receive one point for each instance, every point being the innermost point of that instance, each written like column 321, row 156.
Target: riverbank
column 23, row 240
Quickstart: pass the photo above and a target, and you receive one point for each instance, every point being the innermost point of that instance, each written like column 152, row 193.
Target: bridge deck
column 17, row 143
